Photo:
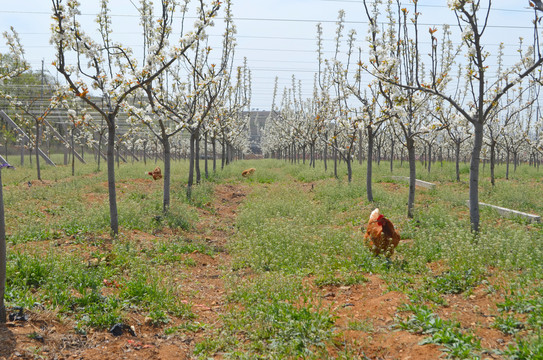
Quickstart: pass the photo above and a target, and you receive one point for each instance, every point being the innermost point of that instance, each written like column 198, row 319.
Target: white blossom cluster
column 18, row 64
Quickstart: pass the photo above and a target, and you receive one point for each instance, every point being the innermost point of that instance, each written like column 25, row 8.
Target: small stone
column 19, row 315
column 119, row 329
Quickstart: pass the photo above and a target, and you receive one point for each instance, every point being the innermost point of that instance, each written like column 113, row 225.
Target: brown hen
column 156, row 173
column 381, row 237
column 248, row 172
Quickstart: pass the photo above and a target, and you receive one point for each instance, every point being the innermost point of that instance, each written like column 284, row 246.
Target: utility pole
column 38, row 129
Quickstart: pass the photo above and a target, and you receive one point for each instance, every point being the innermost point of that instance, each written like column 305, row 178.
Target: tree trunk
column 369, row 167
column 206, row 170
column 228, row 153
column 507, row 158
column 223, row 154
column 191, row 166
column 360, row 147
column 492, row 162
column 412, row 177
column 391, row 154
column 22, row 152
column 335, row 163
column 3, row 255
column 99, row 150
column 348, row 160
column 474, row 177
column 38, row 130
column 429, row 158
column 197, row 155
column 214, row 150
column 145, row 152
column 312, row 154
column 73, row 152
column 167, row 173
column 325, row 156
column 457, row 156
column 114, row 217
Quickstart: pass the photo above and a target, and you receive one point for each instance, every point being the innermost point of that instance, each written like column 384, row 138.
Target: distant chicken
column 248, row 172
column 156, row 173
column 381, row 237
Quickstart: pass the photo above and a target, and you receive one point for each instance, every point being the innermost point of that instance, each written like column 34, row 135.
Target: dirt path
column 201, row 285
column 206, row 284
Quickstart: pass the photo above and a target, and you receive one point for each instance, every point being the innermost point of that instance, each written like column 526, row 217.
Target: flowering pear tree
column 276, row 133
column 315, row 124
column 370, row 115
column 229, row 122
column 498, row 128
column 344, row 122
column 110, row 69
column 17, row 63
column 484, row 95
column 375, row 113
column 182, row 97
column 80, row 122
column 8, row 71
column 31, row 116
column 456, row 125
column 281, row 132
column 394, row 59
column 26, row 111
column 514, row 139
column 3, row 248
column 534, row 134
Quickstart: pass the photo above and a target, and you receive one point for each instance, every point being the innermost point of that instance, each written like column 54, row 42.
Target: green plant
column 454, row 281
column 286, row 330
column 158, row 317
column 458, row 344
column 508, row 324
column 422, row 321
column 102, row 314
column 361, row 325
column 526, row 348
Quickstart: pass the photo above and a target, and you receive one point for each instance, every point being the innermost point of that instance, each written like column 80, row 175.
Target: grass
column 298, row 231
column 457, row 344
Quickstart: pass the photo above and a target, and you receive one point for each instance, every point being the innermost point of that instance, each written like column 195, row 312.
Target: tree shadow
column 7, row 342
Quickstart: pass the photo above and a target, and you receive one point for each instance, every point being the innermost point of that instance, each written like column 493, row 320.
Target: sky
column 278, row 37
